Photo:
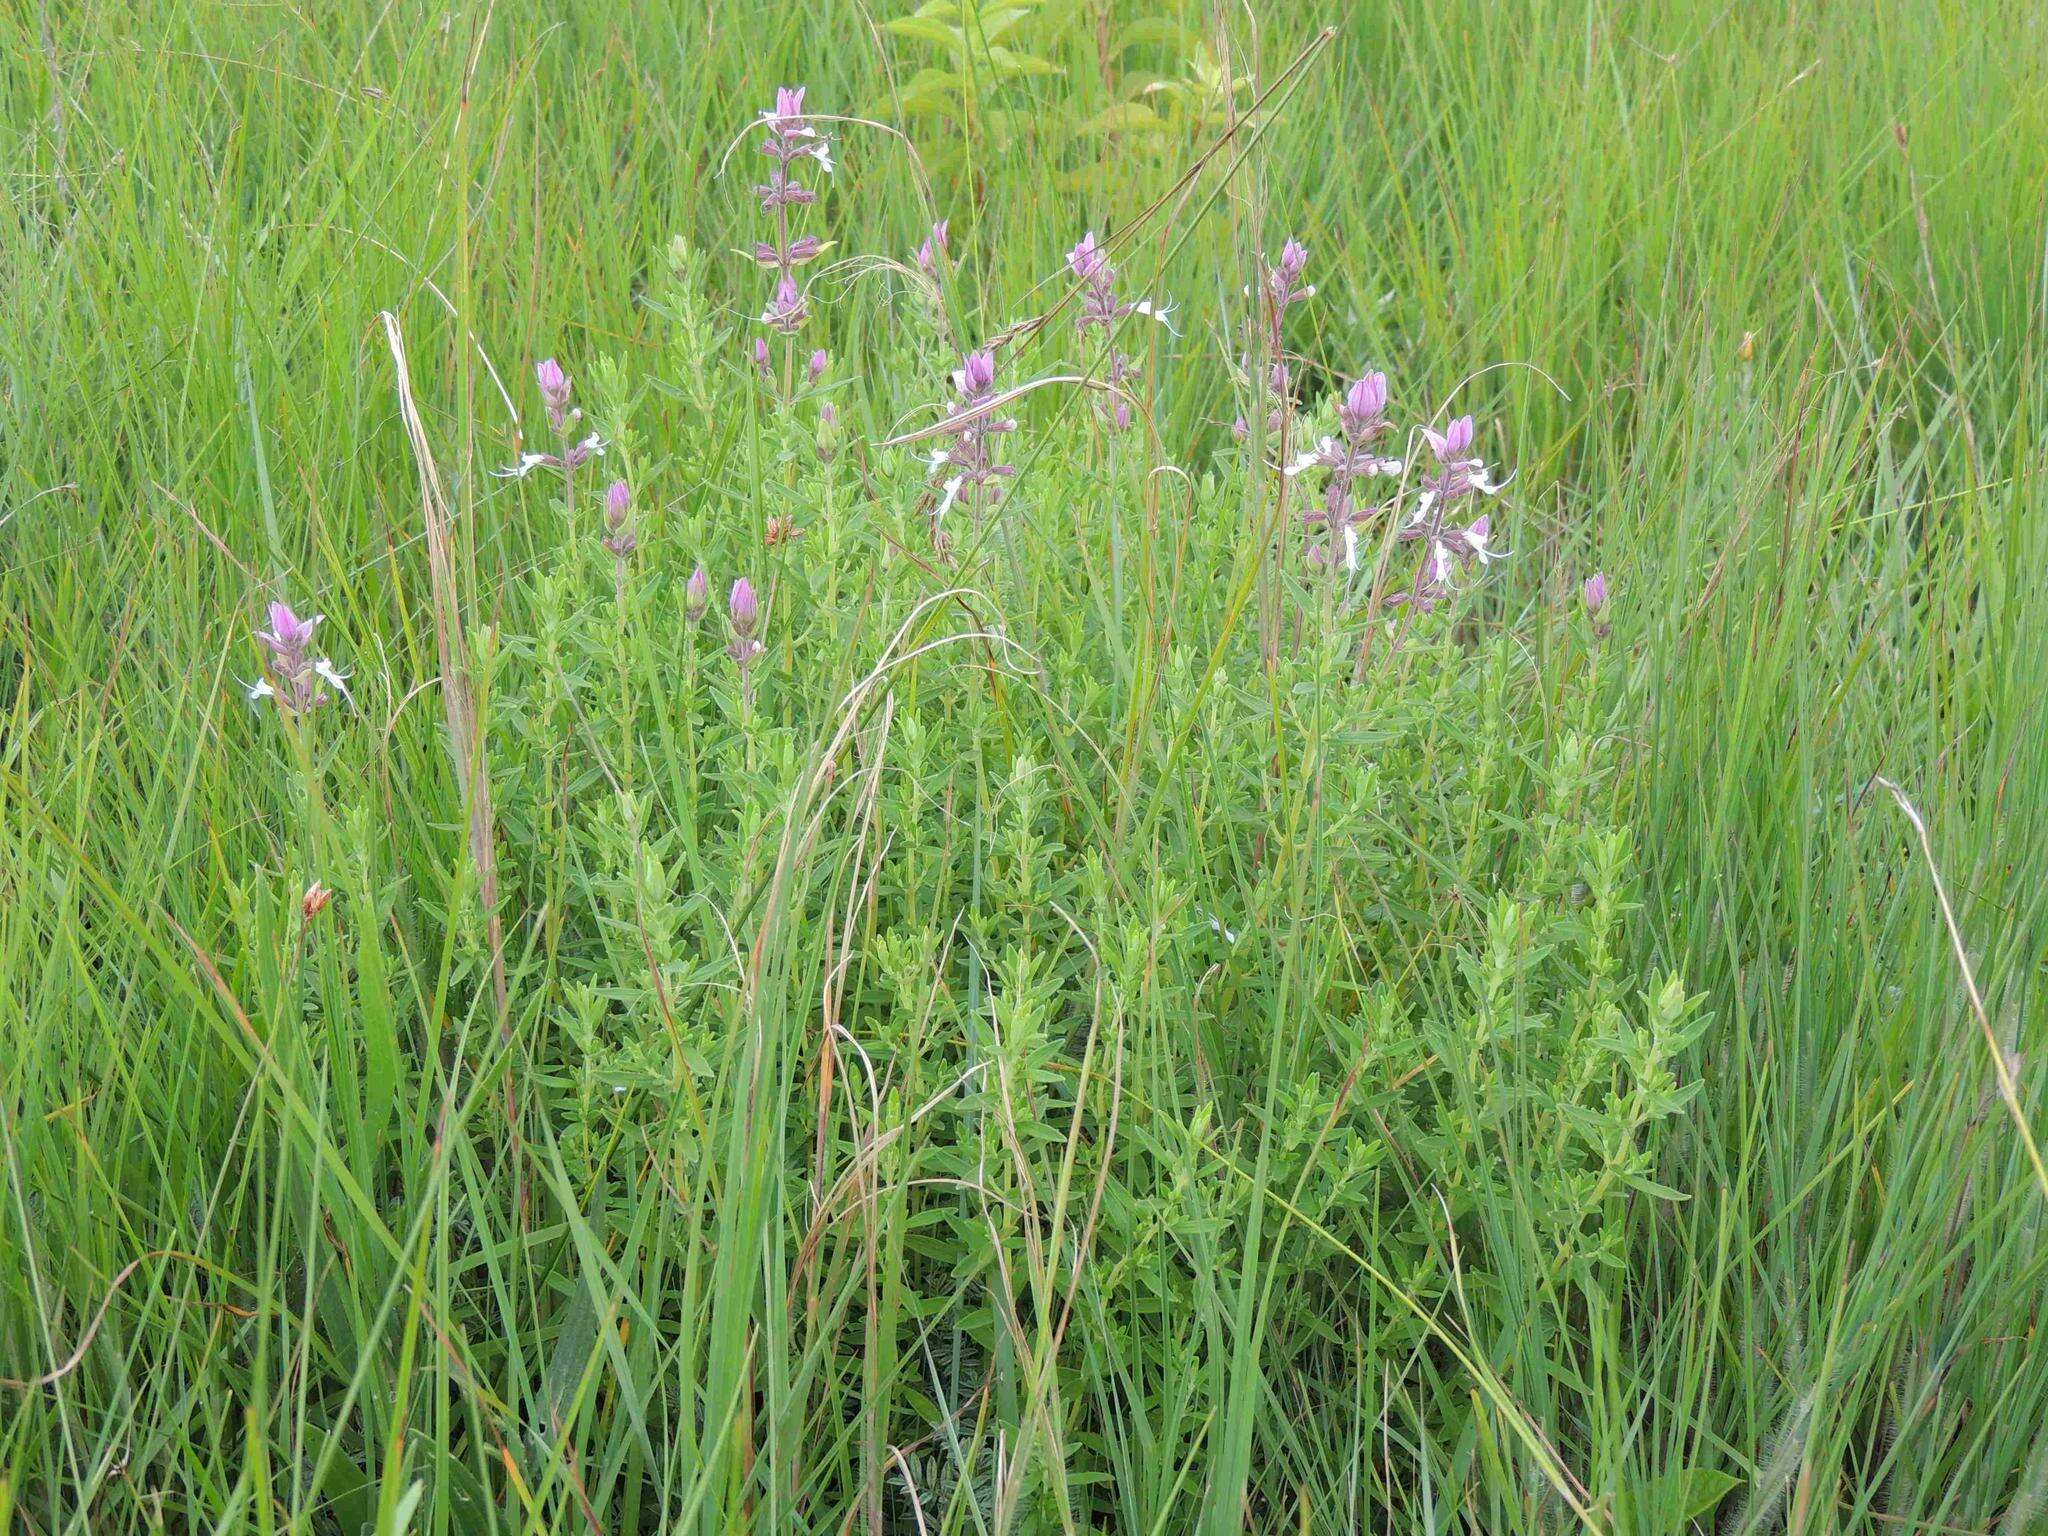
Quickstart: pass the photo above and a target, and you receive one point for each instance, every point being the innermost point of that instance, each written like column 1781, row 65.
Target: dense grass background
column 1784, row 270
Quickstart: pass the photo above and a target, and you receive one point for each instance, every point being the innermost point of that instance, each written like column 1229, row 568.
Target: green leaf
column 1125, row 117
column 927, row 30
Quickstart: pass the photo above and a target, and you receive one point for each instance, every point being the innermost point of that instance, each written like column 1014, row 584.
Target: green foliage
column 1088, row 1031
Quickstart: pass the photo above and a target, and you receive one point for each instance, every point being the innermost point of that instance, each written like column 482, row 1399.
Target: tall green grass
column 307, row 1235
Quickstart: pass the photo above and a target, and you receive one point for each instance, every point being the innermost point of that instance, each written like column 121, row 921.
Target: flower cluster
column 1355, row 454
column 293, row 676
column 968, row 469
column 1278, row 385
column 1280, row 286
column 790, row 138
column 1446, row 493
column 1350, row 458
column 1102, row 309
column 555, row 390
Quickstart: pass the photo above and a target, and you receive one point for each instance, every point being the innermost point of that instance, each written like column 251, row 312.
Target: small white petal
column 528, row 463
column 952, row 495
column 259, row 690
column 1159, row 312
column 334, row 678
column 1350, row 548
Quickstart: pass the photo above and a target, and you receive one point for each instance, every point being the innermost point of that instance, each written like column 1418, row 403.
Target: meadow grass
column 1091, row 1031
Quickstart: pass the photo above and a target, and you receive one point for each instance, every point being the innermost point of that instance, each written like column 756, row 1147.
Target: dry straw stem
column 2008, row 1088
column 458, row 697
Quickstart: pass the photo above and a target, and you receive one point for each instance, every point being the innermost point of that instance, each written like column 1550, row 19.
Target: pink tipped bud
column 696, row 594
column 618, row 501
column 288, row 633
column 977, row 372
column 1593, row 593
column 1086, row 260
column 763, row 360
column 554, row 384
column 744, row 607
column 1364, row 404
column 820, row 361
column 933, row 249
column 1293, row 259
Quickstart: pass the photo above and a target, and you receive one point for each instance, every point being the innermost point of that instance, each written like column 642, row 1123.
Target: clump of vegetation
column 956, row 865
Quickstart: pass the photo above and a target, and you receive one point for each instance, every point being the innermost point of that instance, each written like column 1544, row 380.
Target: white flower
column 336, row 679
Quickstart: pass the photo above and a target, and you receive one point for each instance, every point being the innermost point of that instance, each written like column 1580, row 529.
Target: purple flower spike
column 1351, row 460
column 696, row 594
column 295, row 677
column 618, row 501
column 1283, row 279
column 762, row 359
column 968, row 468
column 789, row 138
column 744, row 608
column 820, row 361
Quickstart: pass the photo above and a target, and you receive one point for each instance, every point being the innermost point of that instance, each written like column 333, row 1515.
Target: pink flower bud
column 933, row 248
column 977, row 372
column 820, row 361
column 1086, row 260
column 696, row 594
column 1364, row 404
column 618, row 501
column 744, row 608
column 1593, row 592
